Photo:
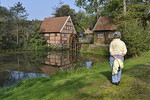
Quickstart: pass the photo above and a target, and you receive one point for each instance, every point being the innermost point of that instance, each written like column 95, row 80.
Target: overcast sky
column 39, row 9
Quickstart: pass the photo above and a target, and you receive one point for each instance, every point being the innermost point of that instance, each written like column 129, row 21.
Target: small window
column 66, row 27
column 101, row 35
column 110, row 35
column 71, row 27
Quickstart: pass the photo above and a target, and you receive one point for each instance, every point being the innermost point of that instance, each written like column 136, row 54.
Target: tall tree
column 64, row 10
column 112, row 8
column 36, row 40
column 132, row 22
column 91, row 6
column 4, row 28
column 85, row 21
column 135, row 36
column 19, row 13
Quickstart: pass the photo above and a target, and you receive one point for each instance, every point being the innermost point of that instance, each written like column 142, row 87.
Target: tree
column 85, row 21
column 124, row 7
column 3, row 15
column 91, row 6
column 5, row 29
column 64, row 10
column 112, row 8
column 132, row 18
column 35, row 40
column 19, row 13
column 135, row 36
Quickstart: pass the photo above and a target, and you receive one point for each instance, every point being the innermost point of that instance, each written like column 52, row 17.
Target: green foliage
column 64, row 10
column 112, row 8
column 135, row 36
column 133, row 25
column 87, row 39
column 91, row 6
column 16, row 33
column 19, row 14
column 84, row 21
column 3, row 13
column 94, row 49
column 36, row 41
column 18, row 11
column 13, row 26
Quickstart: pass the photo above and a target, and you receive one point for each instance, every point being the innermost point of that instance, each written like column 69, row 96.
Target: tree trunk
column 17, row 34
column 124, row 7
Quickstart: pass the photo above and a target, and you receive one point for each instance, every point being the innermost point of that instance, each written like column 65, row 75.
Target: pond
column 15, row 67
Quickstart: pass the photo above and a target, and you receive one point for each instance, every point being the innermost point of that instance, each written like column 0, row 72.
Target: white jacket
column 117, row 63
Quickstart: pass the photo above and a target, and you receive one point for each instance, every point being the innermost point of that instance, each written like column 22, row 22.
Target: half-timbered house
column 103, row 31
column 58, row 30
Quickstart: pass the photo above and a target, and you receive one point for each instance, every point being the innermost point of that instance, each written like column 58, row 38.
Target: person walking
column 117, row 51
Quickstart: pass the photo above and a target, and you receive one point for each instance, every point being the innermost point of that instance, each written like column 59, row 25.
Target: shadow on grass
column 107, row 74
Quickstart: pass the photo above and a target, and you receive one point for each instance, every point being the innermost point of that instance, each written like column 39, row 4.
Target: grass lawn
column 87, row 84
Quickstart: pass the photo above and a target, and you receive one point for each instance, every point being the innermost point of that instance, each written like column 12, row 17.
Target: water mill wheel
column 74, row 42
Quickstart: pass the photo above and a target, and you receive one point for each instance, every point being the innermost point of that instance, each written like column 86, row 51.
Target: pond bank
column 87, row 84
column 101, row 50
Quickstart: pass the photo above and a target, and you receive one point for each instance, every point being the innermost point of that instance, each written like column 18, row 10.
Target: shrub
column 135, row 36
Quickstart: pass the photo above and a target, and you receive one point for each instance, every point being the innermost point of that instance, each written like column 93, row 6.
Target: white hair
column 117, row 35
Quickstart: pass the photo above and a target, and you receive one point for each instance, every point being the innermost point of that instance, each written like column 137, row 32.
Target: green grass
column 100, row 50
column 87, row 84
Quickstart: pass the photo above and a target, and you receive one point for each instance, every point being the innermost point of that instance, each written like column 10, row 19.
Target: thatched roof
column 53, row 24
column 104, row 24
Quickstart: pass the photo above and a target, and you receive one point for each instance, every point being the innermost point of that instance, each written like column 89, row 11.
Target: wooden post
column 61, row 40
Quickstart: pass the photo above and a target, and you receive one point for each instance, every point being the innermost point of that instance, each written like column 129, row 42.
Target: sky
column 39, row 9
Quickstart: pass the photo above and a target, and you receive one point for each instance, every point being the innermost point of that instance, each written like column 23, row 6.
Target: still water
column 15, row 67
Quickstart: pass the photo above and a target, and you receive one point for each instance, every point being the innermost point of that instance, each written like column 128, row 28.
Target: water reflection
column 88, row 64
column 13, row 77
column 57, row 61
column 19, row 66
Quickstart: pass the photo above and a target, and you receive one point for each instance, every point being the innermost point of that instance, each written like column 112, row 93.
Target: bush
column 135, row 36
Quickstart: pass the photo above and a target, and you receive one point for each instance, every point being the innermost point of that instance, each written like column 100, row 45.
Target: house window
column 71, row 27
column 47, row 37
column 110, row 35
column 65, row 35
column 101, row 35
column 66, row 27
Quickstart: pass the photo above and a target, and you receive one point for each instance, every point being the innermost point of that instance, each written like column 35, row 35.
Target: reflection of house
column 58, row 61
column 57, row 30
column 103, row 31
column 49, row 70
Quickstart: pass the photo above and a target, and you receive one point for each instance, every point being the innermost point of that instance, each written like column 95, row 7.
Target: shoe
column 116, row 83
